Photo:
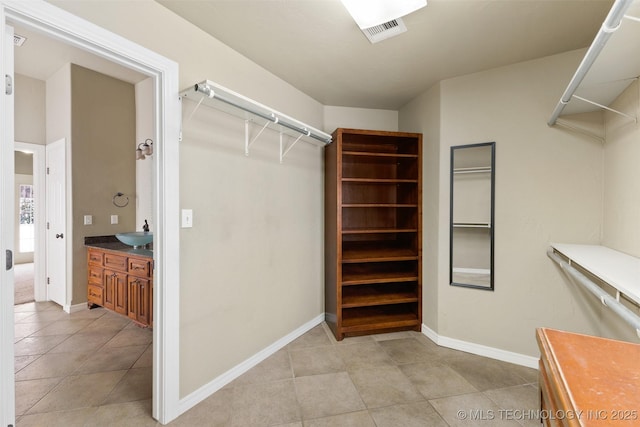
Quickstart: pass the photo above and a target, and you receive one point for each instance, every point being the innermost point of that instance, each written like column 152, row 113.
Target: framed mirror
column 472, row 215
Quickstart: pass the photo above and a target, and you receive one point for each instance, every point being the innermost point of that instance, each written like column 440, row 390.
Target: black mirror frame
column 492, row 216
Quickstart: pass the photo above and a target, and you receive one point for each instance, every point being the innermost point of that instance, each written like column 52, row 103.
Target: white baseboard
column 481, row 350
column 74, row 308
column 207, row 390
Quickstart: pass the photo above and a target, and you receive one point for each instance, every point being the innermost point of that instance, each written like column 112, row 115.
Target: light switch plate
column 187, row 218
column 114, row 219
column 88, row 219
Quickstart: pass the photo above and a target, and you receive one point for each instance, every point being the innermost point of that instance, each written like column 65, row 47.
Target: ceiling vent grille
column 384, row 31
column 18, row 40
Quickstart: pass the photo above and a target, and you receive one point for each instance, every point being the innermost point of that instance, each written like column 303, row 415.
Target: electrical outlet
column 114, row 219
column 187, row 218
column 88, row 219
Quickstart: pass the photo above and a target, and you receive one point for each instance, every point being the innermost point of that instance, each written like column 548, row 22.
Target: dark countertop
column 110, row 243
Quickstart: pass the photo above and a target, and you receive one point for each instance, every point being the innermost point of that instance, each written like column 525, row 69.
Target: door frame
column 7, row 221
column 43, row 17
column 39, row 250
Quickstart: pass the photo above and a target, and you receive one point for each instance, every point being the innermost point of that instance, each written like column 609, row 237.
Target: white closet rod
column 609, row 26
column 607, row 300
column 245, row 104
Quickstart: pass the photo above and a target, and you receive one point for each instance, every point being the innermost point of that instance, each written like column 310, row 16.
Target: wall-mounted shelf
column 254, row 113
column 617, row 269
column 610, row 65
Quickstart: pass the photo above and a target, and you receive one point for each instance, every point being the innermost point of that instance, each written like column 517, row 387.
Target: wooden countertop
column 596, row 379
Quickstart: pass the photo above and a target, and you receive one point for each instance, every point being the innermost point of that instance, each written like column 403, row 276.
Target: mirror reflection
column 472, row 215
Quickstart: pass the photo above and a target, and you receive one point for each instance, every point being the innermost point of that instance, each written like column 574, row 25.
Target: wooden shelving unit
column 373, row 229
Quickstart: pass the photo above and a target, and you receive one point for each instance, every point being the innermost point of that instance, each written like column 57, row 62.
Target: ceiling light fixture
column 369, row 13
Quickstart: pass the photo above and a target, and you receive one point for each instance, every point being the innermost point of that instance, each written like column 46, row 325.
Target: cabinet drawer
column 139, row 267
column 95, row 257
column 94, row 294
column 115, row 261
column 95, row 275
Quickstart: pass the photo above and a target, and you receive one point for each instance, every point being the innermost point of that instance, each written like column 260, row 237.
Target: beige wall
column 422, row 115
column 23, row 163
column 548, row 189
column 359, row 118
column 621, row 230
column 255, row 251
column 251, row 266
column 144, row 168
column 29, row 103
column 103, row 161
column 58, row 105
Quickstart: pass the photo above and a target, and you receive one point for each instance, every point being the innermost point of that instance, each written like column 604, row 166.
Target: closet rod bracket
column 283, row 151
column 604, row 107
column 248, row 142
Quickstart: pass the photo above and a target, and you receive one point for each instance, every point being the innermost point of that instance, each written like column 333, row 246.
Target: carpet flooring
column 23, row 279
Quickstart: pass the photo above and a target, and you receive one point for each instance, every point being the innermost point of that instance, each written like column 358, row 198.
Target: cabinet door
column 120, row 297
column 132, row 300
column 109, row 289
column 139, row 300
column 144, row 301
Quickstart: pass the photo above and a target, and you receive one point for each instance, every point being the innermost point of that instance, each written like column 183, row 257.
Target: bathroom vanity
column 120, row 279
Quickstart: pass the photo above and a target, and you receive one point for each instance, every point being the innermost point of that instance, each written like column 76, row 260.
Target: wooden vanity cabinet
column 121, row 283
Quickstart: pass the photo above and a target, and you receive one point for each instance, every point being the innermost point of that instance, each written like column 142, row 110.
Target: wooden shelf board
column 367, row 299
column 371, row 254
column 373, row 278
column 379, row 205
column 378, row 230
column 379, row 181
column 379, row 321
column 378, row 154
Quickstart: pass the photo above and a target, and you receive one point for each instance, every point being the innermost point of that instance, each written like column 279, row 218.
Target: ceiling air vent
column 18, row 40
column 384, row 31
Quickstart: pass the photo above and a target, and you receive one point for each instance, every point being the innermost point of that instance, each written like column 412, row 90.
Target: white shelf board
column 479, row 169
column 618, row 269
column 472, row 224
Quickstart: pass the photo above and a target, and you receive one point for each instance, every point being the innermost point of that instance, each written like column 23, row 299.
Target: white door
column 7, row 217
column 56, row 234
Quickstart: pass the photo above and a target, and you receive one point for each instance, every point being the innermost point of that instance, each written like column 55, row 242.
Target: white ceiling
column 41, row 56
column 316, row 46
column 616, row 67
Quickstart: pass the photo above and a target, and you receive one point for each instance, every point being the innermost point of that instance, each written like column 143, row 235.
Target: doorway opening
column 57, row 24
column 29, row 223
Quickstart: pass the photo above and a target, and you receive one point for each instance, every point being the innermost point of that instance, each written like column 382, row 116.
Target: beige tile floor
column 93, row 369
